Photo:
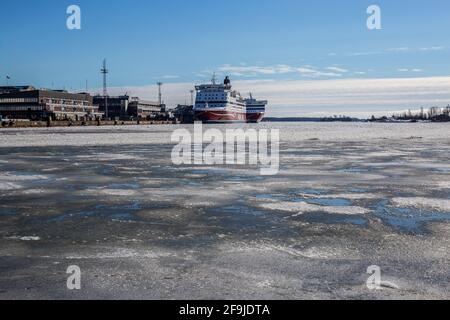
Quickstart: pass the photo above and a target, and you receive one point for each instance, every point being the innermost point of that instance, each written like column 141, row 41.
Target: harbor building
column 113, row 107
column 29, row 103
column 126, row 108
column 143, row 109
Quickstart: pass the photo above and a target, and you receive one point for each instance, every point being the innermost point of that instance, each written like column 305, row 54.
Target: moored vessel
column 218, row 103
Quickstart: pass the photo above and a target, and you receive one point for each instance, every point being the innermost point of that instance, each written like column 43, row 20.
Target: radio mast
column 105, row 71
column 159, row 93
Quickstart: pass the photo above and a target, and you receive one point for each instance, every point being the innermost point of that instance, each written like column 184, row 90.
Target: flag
column 8, row 77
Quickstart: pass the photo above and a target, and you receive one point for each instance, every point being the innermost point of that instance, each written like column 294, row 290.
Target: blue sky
column 265, row 43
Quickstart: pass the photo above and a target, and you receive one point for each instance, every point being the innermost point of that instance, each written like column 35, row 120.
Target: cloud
column 355, row 97
column 255, row 70
column 432, row 48
column 409, row 70
column 304, row 71
column 395, row 50
column 171, row 77
column 368, row 53
column 308, row 70
column 337, row 69
column 401, row 49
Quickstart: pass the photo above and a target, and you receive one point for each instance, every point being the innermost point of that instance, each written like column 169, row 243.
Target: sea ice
column 26, row 238
column 423, row 203
column 5, row 186
column 303, row 207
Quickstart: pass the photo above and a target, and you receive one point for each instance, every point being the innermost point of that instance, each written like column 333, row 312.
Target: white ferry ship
column 218, row 103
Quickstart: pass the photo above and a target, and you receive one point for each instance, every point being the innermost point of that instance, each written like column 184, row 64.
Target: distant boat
column 218, row 103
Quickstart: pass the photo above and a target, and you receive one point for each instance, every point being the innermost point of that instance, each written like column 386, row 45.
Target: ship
column 256, row 109
column 219, row 103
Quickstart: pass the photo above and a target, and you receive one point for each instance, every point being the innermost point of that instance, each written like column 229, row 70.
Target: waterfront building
column 32, row 104
column 126, row 107
column 143, row 109
column 113, row 107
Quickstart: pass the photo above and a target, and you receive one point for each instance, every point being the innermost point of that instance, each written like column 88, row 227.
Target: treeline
column 339, row 119
column 434, row 114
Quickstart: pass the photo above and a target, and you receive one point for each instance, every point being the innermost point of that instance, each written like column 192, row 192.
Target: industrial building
column 26, row 102
column 143, row 109
column 113, row 107
column 126, row 107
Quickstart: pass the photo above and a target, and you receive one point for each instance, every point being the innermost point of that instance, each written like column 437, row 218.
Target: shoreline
column 120, row 123
column 97, row 123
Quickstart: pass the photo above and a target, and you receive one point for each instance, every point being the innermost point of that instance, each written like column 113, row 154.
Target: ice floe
column 423, row 203
column 349, row 196
column 13, row 177
column 5, row 186
column 304, row 207
column 25, row 238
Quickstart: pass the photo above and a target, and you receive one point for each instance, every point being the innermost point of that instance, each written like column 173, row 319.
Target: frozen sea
column 109, row 200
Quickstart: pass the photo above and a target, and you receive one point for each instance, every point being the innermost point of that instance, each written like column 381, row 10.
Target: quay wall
column 47, row 124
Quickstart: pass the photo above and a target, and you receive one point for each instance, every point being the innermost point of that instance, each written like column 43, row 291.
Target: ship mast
column 214, row 80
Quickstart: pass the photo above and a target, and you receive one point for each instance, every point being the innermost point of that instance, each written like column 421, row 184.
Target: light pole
column 192, row 97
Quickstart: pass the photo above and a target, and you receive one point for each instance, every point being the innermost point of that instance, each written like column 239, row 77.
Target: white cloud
column 369, row 53
column 409, row 70
column 308, row 70
column 400, row 49
column 304, row 71
column 432, row 48
column 255, row 70
column 171, row 77
column 337, row 69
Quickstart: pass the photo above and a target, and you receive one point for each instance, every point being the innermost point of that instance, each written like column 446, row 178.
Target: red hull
column 220, row 116
column 255, row 117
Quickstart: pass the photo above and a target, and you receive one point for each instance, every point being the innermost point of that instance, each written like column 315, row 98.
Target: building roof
column 32, row 93
column 8, row 89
